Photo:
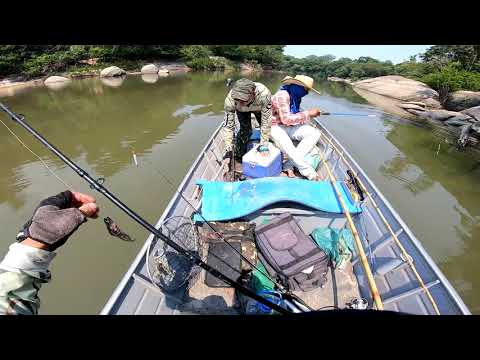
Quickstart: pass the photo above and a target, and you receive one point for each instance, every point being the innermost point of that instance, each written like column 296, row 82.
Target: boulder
column 440, row 115
column 149, row 69
column 474, row 112
column 163, row 71
column 400, row 88
column 461, row 100
column 112, row 71
column 55, row 79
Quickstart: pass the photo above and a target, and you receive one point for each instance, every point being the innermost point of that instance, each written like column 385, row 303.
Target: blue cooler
column 257, row 166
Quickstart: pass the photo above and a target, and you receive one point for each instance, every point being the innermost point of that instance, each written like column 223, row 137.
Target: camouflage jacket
column 262, row 103
column 22, row 272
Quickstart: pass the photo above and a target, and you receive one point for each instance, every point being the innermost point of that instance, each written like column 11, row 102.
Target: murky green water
column 166, row 123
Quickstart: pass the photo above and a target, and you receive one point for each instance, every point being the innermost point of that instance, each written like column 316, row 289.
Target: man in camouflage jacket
column 24, row 268
column 247, row 97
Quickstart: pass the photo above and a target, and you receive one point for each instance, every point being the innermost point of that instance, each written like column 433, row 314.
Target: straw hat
column 301, row 80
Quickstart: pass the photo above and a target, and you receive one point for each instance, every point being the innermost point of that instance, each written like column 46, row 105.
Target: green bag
column 338, row 244
column 259, row 281
column 313, row 158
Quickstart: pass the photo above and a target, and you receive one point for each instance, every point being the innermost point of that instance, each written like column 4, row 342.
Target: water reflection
column 150, row 78
column 114, row 82
column 59, row 85
column 401, row 169
column 341, row 90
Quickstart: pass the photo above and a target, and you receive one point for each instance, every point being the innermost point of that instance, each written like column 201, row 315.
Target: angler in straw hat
column 245, row 98
column 288, row 123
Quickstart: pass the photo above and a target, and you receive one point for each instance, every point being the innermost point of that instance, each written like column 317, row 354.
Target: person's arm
column 282, row 99
column 266, row 124
column 24, row 268
column 229, row 123
column 22, row 272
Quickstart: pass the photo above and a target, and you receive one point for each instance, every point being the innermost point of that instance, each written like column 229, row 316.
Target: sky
column 394, row 53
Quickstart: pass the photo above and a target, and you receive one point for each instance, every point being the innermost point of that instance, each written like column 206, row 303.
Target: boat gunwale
column 419, row 247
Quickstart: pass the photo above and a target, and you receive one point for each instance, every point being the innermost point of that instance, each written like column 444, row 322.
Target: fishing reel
column 354, row 186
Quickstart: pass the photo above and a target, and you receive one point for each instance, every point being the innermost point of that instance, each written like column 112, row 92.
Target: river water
column 166, row 123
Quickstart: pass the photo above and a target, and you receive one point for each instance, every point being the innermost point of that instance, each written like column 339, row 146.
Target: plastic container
column 257, row 166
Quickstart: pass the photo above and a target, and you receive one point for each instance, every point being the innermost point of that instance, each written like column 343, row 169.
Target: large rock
column 440, row 115
column 400, row 88
column 149, row 69
column 461, row 100
column 474, row 112
column 56, row 79
column 163, row 72
column 112, row 71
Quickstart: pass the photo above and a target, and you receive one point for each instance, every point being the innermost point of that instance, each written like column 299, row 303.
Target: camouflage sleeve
column 22, row 272
column 266, row 118
column 229, row 122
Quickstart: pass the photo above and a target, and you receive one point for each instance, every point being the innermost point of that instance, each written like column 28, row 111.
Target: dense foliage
column 37, row 60
column 445, row 68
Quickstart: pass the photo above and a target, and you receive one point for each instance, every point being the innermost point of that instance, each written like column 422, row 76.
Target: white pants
column 308, row 137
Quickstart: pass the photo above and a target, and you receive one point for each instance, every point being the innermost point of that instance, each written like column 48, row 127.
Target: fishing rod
column 94, row 184
column 346, row 114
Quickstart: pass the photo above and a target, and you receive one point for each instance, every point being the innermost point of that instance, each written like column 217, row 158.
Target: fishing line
column 112, row 226
column 38, row 157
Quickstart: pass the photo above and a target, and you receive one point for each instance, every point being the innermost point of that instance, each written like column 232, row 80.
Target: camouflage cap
column 243, row 89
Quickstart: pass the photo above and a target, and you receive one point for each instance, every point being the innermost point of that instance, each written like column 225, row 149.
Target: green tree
column 452, row 78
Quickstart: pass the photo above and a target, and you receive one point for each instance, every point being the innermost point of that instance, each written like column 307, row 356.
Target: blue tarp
column 231, row 200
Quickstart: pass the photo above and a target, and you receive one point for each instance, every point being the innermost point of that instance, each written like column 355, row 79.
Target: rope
column 407, row 256
column 38, row 157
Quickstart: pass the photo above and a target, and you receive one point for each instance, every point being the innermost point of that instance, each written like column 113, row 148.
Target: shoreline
column 9, row 87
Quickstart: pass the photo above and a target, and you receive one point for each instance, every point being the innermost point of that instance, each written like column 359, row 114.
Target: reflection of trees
column 342, row 90
column 463, row 277
column 456, row 172
column 458, row 175
column 398, row 168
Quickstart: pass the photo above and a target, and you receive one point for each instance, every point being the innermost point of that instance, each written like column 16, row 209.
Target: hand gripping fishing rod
column 100, row 188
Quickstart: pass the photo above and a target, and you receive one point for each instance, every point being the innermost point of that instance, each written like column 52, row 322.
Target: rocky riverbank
column 114, row 75
column 459, row 114
column 14, row 86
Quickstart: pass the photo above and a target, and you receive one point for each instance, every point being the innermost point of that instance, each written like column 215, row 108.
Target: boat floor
column 340, row 289
column 341, row 286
